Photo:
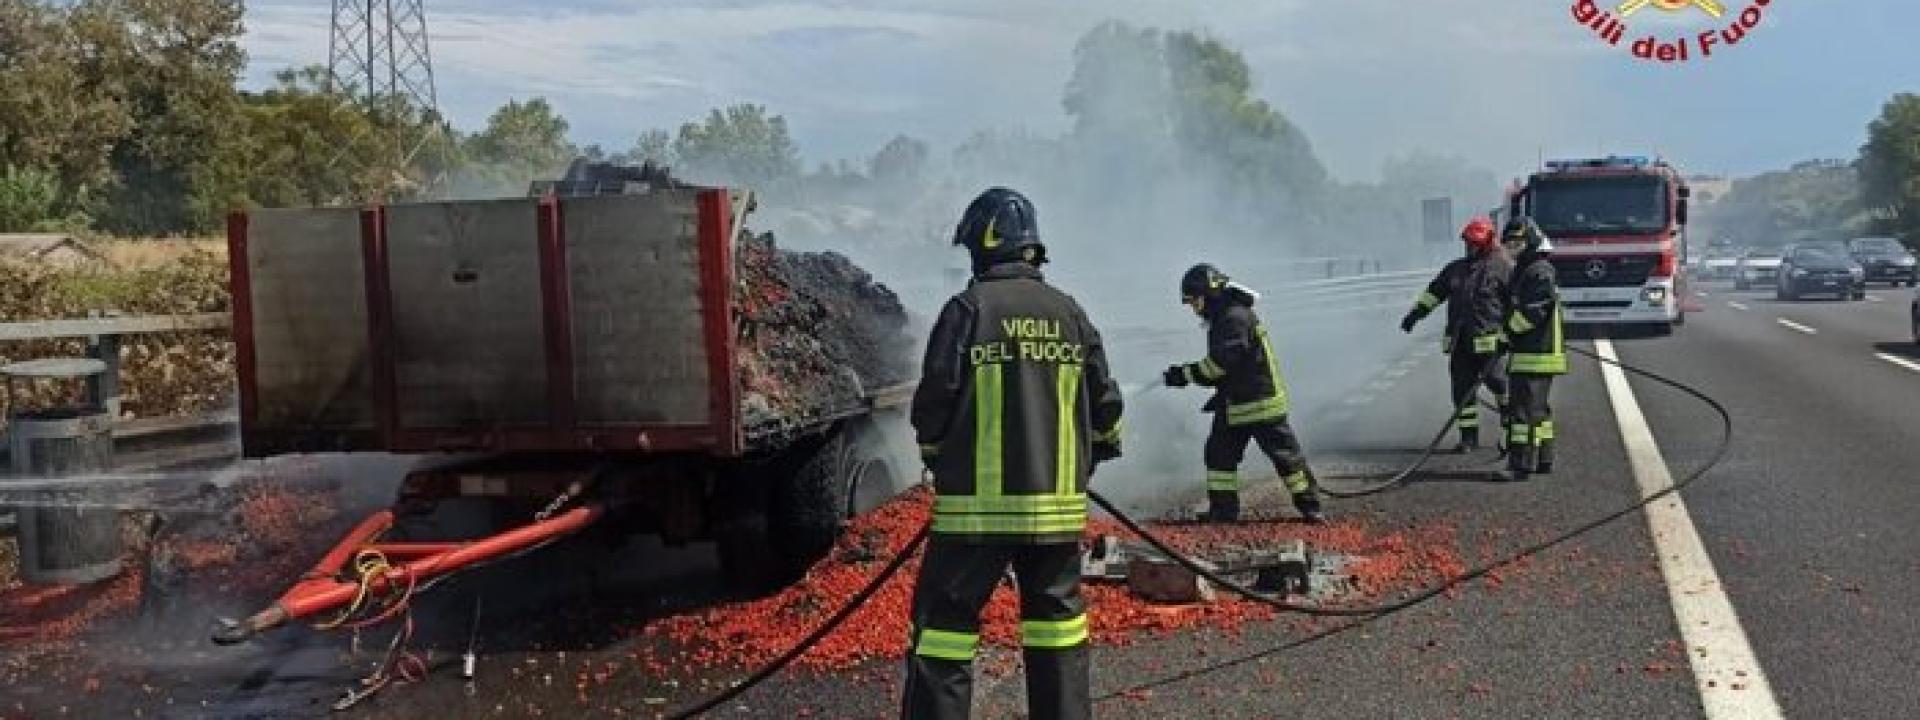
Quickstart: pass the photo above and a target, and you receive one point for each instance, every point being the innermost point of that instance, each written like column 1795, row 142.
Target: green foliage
column 1889, row 166
column 741, row 144
column 30, row 200
column 1813, row 199
column 523, row 141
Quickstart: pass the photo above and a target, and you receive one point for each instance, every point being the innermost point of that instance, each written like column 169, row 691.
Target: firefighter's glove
column 1104, row 451
column 1175, row 376
column 1407, row 323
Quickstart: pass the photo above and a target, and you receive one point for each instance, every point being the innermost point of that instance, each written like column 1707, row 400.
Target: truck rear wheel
column 810, row 506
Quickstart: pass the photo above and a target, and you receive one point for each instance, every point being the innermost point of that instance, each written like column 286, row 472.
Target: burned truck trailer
column 631, row 359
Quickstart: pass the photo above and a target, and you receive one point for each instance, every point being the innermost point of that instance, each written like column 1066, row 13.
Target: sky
column 1500, row 81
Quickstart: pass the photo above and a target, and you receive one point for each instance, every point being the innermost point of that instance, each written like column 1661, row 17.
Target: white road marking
column 1702, row 293
column 1874, row 298
column 1736, row 306
column 1791, row 325
column 1725, row 670
column 1897, row 360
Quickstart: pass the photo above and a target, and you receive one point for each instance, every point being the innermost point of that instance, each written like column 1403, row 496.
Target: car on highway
column 1819, row 268
column 1885, row 260
column 1719, row 263
column 1756, row 267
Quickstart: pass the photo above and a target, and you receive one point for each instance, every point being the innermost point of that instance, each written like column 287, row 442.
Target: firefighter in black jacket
column 1475, row 291
column 1250, row 398
column 1015, row 407
column 1539, row 350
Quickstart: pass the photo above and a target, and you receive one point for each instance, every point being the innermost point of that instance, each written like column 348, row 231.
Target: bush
column 161, row 374
column 30, row 201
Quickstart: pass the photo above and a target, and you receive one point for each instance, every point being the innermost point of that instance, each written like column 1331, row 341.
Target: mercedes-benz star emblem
column 1596, row 269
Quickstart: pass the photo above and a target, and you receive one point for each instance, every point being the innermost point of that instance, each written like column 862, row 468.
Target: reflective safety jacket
column 1014, row 394
column 1240, row 363
column 1534, row 322
column 1475, row 291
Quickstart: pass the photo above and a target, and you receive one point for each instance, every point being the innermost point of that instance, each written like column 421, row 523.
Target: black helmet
column 1523, row 235
column 1000, row 226
column 1202, row 281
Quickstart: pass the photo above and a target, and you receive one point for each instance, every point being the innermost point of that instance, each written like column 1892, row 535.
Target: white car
column 1719, row 264
column 1757, row 267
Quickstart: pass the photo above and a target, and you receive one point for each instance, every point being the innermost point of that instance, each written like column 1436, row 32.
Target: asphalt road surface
column 1786, row 583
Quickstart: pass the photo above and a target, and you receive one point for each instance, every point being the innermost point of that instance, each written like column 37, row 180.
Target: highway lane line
column 1897, row 360
column 1736, row 306
column 1725, row 670
column 1874, row 298
column 1791, row 325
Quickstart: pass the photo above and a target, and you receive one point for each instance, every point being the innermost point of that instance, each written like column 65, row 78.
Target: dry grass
column 154, row 253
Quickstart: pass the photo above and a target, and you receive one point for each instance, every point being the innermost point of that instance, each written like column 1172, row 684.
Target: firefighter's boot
column 1469, row 440
column 1543, row 464
column 1308, row 505
column 1223, row 506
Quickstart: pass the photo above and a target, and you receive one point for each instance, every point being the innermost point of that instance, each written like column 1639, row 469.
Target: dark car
column 1819, row 268
column 1885, row 260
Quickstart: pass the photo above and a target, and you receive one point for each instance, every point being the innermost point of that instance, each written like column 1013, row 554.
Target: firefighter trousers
column 1530, row 428
column 1227, row 445
column 956, row 579
column 1469, row 371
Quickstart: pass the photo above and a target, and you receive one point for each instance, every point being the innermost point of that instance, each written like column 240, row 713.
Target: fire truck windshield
column 1600, row 205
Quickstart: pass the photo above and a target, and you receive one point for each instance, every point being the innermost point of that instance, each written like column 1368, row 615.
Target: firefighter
column 1015, row 408
column 1250, row 395
column 1474, row 287
column 1539, row 350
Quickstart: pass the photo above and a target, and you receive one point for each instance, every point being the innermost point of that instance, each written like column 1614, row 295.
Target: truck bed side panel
column 468, row 340
column 639, row 355
column 308, row 300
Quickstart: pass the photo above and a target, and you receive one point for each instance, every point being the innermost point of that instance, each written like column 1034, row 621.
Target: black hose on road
column 1368, row 615
column 1364, row 615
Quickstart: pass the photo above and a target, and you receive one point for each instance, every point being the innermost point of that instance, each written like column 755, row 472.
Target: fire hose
column 1364, row 614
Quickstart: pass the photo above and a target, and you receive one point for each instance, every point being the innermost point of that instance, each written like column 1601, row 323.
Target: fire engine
column 1618, row 226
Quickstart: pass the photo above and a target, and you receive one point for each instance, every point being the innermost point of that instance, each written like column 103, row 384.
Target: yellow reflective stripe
column 928, row 450
column 1054, row 634
column 1223, row 480
column 1009, row 504
column 1543, row 431
column 1426, row 301
column 946, row 645
column 1486, row 344
column 1518, row 435
column 1518, row 323
column 1010, row 524
column 1257, row 411
column 988, row 394
column 1539, row 363
column 1187, row 371
column 1298, row 483
column 1066, row 471
column 1273, row 367
column 1209, row 370
column 1467, row 420
column 1111, row 436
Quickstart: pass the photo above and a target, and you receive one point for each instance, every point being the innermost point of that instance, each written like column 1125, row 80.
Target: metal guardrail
column 103, row 334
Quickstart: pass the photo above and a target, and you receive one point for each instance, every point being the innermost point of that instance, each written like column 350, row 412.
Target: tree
column 654, row 146
column 179, row 62
column 1889, row 166
column 55, row 118
column 902, row 160
column 740, row 144
column 1816, row 198
column 523, row 141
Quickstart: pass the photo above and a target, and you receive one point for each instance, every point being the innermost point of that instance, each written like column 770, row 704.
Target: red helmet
column 1478, row 234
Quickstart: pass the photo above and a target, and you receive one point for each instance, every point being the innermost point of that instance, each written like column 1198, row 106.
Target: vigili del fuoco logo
column 1612, row 24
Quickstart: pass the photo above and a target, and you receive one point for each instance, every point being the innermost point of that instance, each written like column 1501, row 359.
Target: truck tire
column 809, row 506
